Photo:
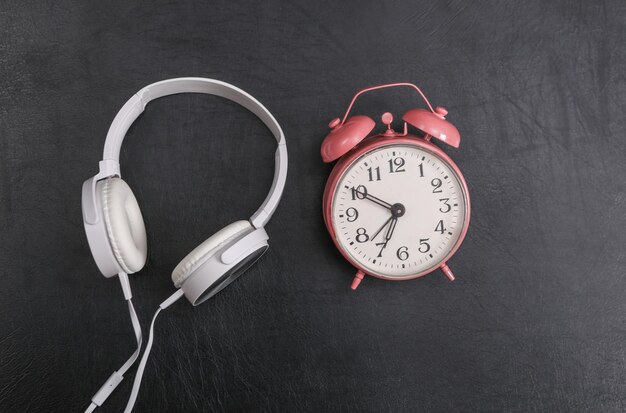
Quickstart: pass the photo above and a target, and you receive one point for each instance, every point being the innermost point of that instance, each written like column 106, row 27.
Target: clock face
column 398, row 210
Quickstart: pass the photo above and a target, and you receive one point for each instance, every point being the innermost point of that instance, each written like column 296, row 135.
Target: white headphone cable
column 144, row 359
column 116, row 378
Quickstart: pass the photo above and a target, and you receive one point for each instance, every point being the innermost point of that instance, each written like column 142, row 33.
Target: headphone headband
column 137, row 103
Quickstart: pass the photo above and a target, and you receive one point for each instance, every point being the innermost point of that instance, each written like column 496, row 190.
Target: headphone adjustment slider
column 108, row 168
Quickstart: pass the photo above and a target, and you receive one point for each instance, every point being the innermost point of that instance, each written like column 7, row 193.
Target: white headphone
column 116, row 232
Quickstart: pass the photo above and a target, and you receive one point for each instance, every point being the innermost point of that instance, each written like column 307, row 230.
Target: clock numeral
column 352, row 214
column 376, row 172
column 403, row 253
column 436, row 183
column 421, row 168
column 383, row 245
column 440, row 228
column 424, row 245
column 360, row 192
column 447, row 206
column 396, row 165
column 361, row 235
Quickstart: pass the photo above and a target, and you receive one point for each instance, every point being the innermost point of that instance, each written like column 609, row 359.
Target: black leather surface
column 535, row 320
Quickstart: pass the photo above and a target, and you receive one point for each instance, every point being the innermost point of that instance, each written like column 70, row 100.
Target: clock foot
column 447, row 272
column 357, row 279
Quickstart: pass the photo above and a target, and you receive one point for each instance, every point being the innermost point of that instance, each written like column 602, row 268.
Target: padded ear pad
column 124, row 224
column 207, row 249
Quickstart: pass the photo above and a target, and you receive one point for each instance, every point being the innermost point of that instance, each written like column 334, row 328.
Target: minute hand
column 392, row 228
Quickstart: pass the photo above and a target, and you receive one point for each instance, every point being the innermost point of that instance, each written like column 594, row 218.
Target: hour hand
column 378, row 201
column 366, row 195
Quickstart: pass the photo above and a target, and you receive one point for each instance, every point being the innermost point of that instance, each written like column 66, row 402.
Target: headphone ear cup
column 207, row 249
column 124, row 224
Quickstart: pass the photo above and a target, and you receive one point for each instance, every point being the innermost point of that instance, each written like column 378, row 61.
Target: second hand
column 382, row 227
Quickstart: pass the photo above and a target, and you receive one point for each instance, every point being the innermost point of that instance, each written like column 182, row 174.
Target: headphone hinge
column 108, row 168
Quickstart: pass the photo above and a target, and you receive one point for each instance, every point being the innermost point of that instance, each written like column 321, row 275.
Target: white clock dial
column 398, row 210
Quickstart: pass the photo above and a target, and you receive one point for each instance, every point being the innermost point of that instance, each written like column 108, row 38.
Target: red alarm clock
column 396, row 206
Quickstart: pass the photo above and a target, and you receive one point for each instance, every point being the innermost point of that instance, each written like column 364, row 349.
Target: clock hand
column 378, row 201
column 392, row 227
column 374, row 199
column 381, row 228
column 397, row 210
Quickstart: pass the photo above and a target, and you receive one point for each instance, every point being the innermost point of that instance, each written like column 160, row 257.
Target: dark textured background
column 536, row 320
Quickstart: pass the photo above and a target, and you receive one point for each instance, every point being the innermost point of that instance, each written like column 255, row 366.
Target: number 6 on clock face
column 398, row 208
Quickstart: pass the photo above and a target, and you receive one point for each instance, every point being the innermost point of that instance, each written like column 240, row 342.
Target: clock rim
column 370, row 144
